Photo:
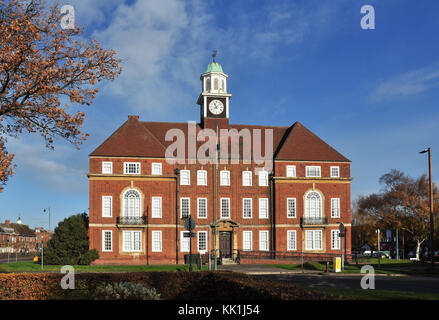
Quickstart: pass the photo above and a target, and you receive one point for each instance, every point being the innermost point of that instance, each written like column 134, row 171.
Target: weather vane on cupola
column 214, row 55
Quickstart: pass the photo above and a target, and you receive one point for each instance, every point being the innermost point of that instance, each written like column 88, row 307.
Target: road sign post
column 189, row 225
column 340, row 236
column 8, row 249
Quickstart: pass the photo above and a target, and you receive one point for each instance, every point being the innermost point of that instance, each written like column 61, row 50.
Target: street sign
column 341, row 227
column 189, row 224
column 189, row 235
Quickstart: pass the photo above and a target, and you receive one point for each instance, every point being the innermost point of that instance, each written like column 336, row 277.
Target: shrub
column 69, row 244
column 125, row 291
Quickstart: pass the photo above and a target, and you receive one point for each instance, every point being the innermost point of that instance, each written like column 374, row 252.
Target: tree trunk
column 418, row 248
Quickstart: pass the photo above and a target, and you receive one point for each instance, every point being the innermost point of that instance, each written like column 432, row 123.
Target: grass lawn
column 374, row 294
column 386, row 266
column 30, row 266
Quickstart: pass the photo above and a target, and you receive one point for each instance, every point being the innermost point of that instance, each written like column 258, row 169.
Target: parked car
column 382, row 254
column 367, row 253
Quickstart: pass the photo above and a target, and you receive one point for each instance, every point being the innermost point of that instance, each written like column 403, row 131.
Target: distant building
column 18, row 237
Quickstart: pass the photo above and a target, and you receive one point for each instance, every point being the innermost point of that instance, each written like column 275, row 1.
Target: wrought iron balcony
column 131, row 220
column 312, row 221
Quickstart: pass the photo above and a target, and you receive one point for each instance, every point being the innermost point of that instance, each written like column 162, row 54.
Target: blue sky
column 371, row 94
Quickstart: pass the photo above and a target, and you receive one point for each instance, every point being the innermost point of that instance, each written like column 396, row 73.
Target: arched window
column 131, row 206
column 313, row 205
column 208, row 84
column 215, row 84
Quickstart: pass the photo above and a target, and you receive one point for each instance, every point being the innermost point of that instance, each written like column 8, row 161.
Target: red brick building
column 242, row 208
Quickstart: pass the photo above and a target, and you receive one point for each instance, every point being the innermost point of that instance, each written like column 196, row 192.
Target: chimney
column 131, row 117
column 7, row 222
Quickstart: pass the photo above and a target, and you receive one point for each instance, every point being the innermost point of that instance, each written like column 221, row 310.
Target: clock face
column 216, row 107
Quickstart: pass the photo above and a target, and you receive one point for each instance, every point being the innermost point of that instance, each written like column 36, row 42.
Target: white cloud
column 166, row 44
column 161, row 44
column 408, row 83
column 62, row 170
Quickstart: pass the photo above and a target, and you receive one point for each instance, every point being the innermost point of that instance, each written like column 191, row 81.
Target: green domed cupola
column 214, row 98
column 214, row 67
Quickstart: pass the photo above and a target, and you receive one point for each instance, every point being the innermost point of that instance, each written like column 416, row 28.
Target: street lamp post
column 48, row 209
column 430, row 186
column 379, row 251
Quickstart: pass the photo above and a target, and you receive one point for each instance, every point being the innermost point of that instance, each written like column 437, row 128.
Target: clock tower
column 214, row 99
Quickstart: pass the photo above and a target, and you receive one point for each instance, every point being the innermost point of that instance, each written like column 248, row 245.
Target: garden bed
column 170, row 285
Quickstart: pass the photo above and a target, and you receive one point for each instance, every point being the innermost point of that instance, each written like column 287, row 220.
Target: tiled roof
column 147, row 139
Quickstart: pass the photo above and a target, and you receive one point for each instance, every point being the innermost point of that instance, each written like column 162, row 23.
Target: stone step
column 227, row 261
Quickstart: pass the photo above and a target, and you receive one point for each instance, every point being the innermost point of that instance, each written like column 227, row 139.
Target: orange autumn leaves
column 43, row 68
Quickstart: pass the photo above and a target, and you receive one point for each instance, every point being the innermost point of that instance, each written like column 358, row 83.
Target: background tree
column 403, row 204
column 363, row 227
column 69, row 244
column 43, row 68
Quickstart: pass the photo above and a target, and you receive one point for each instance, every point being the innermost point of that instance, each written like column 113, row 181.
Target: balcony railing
column 312, row 221
column 131, row 220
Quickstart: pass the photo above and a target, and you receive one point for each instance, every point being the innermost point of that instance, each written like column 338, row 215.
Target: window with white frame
column 184, row 241
column 202, row 208
column 247, row 242
column 263, row 208
column 263, row 178
column 225, row 208
column 202, row 177
column 156, row 242
column 246, row 178
column 313, row 171
column 131, row 167
column 313, row 239
column 131, row 203
column 335, row 172
column 156, row 207
column 107, row 206
column 185, row 177
column 263, row 240
column 313, row 204
column 335, row 207
column 335, row 240
column 225, row 178
column 185, row 207
column 291, row 207
column 107, row 167
column 247, row 208
column 202, row 241
column 156, row 168
column 291, row 171
column 107, row 241
column 132, row 241
column 291, row 240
